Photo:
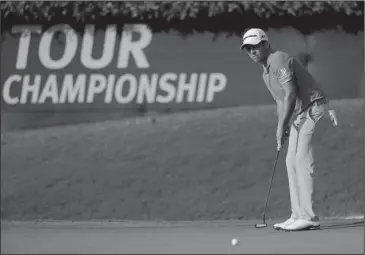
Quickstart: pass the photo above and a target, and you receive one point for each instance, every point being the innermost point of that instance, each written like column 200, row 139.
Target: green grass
column 206, row 165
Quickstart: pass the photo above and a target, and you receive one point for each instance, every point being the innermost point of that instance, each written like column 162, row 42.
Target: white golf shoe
column 281, row 226
column 300, row 225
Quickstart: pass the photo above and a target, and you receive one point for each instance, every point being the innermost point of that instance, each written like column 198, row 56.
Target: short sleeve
column 282, row 65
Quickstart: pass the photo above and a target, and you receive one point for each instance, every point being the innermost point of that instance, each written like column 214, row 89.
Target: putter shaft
column 272, row 177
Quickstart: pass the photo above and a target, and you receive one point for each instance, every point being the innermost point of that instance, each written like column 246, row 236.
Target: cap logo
column 244, row 38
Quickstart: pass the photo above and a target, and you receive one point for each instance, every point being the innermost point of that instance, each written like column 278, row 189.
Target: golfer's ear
column 266, row 44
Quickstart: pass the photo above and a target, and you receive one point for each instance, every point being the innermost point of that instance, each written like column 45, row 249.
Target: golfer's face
column 255, row 52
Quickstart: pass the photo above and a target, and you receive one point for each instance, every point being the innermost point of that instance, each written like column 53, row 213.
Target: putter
column 264, row 224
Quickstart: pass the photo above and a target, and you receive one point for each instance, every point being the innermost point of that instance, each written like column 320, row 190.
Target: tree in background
column 188, row 17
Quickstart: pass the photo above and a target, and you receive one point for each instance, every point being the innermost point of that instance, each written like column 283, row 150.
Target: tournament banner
column 60, row 68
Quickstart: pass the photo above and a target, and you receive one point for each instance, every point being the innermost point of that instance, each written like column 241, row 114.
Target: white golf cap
column 253, row 37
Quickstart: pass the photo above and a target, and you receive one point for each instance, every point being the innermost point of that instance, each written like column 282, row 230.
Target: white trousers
column 300, row 162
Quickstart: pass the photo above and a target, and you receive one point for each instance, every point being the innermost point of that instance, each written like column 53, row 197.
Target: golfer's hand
column 333, row 117
column 281, row 136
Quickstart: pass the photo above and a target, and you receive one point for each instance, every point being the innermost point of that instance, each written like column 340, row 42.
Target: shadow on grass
column 343, row 225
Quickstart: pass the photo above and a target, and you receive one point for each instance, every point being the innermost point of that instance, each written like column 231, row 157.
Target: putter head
column 261, row 225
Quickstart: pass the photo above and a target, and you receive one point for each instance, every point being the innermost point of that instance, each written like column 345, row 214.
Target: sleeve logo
column 284, row 73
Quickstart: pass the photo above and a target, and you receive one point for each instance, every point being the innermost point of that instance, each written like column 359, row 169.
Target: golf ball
column 234, row 241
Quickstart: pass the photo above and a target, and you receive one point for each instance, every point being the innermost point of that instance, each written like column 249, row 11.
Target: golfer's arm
column 279, row 108
column 289, row 104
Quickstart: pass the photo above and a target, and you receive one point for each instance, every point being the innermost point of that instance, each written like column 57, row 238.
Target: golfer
column 299, row 98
